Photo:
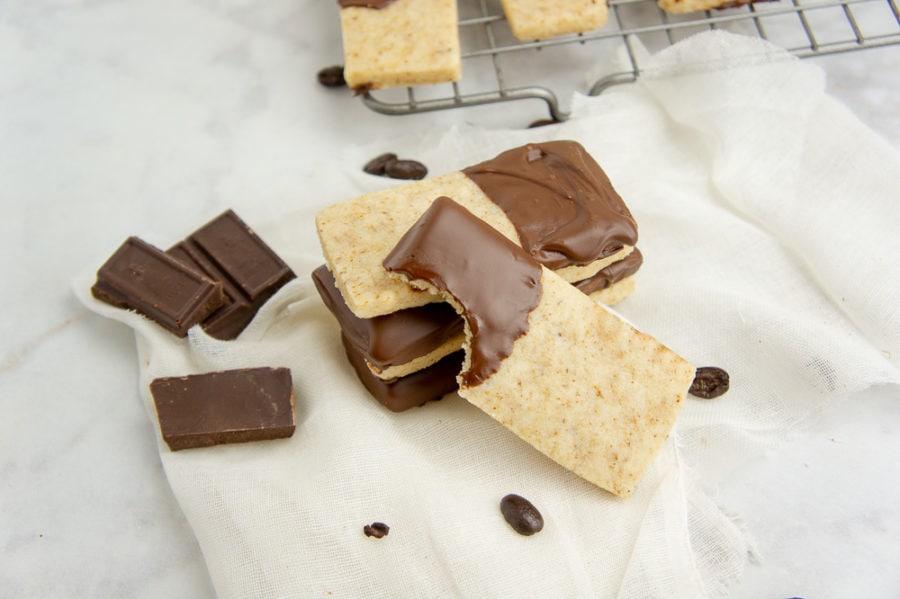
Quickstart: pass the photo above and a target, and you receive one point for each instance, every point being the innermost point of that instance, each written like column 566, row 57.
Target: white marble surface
column 117, row 116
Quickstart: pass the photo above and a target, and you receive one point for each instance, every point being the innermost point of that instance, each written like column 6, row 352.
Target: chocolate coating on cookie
column 494, row 282
column 394, row 338
column 612, row 274
column 560, row 201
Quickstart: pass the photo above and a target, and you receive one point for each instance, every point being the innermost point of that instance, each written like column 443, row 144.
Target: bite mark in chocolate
column 233, row 406
column 560, row 201
column 456, row 253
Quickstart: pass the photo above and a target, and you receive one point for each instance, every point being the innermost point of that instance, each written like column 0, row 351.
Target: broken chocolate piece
column 228, row 251
column 139, row 276
column 233, row 406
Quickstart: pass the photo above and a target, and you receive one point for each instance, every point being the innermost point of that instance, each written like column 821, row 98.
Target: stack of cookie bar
column 553, row 199
column 483, row 259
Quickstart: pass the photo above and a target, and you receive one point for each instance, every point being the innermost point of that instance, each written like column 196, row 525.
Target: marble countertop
column 106, row 107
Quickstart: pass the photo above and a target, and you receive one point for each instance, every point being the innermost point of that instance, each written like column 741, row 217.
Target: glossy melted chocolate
column 560, row 201
column 494, row 281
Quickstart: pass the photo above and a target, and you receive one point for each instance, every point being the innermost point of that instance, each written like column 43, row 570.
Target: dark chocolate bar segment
column 242, row 255
column 139, row 276
column 229, row 251
column 232, row 406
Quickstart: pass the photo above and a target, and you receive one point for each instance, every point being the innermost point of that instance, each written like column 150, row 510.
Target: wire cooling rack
column 499, row 68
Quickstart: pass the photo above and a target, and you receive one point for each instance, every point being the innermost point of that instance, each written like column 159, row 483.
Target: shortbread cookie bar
column 551, row 198
column 537, row 19
column 561, row 371
column 399, row 42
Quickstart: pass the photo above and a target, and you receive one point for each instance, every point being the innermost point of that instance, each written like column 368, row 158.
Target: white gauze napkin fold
column 765, row 213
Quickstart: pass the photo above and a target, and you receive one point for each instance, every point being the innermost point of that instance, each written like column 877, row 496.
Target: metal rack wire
column 498, row 68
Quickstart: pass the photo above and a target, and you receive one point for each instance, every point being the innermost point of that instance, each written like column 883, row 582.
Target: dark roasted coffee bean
column 376, row 529
column 542, row 123
column 521, row 514
column 332, row 76
column 709, row 382
column 405, row 169
column 377, row 165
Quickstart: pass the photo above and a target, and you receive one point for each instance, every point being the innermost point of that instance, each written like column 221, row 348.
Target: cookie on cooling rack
column 538, row 19
column 389, row 43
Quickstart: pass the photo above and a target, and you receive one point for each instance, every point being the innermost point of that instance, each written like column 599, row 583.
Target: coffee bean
column 376, row 529
column 521, row 515
column 542, row 123
column 405, row 169
column 377, row 165
column 709, row 382
column 332, row 76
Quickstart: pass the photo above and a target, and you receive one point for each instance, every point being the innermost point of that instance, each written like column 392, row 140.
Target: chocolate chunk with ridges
column 562, row 204
column 227, row 250
column 139, row 276
column 233, row 406
column 709, row 382
column 521, row 515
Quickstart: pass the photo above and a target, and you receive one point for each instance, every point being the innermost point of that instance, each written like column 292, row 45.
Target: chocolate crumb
column 376, row 529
